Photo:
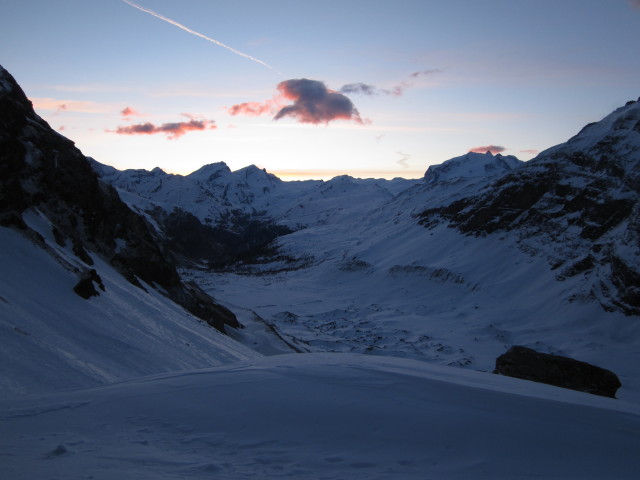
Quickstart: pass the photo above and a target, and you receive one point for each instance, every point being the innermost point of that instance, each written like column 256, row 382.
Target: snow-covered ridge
column 617, row 135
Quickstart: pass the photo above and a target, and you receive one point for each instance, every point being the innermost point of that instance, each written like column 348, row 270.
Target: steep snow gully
column 399, row 295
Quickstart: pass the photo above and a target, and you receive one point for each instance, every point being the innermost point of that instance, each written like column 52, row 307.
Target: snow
column 53, row 339
column 224, row 411
column 383, row 285
column 321, row 416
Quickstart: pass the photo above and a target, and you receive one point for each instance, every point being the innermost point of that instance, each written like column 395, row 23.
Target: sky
column 313, row 90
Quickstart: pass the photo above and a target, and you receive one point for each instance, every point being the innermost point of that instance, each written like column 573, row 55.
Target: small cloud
column 371, row 90
column 361, row 88
column 488, row 148
column 398, row 90
column 424, row 73
column 403, row 161
column 531, row 151
column 254, row 109
column 395, row 91
column 635, row 3
column 129, row 112
column 171, row 130
column 61, row 128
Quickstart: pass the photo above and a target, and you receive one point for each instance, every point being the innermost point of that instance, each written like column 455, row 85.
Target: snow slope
column 321, row 416
column 53, row 339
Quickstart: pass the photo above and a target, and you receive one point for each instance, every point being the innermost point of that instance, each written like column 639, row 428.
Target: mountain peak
column 256, row 172
column 210, row 172
column 471, row 165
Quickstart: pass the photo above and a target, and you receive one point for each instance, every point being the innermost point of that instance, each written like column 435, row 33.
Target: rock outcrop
column 528, row 364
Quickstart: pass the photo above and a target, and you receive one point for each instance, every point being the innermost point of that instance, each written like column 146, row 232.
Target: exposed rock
column 528, row 364
column 86, row 288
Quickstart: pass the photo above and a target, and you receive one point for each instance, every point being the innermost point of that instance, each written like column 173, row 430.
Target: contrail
column 198, row 34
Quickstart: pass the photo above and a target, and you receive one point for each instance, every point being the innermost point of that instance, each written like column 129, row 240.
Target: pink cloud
column 171, row 130
column 254, row 109
column 129, row 112
column 488, row 148
column 531, row 151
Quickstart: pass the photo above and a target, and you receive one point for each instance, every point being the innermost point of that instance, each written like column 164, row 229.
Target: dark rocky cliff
column 40, row 169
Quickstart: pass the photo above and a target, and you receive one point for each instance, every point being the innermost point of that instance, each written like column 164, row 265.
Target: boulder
column 528, row 364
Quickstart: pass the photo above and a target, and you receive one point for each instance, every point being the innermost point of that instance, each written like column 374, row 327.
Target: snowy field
column 320, row 416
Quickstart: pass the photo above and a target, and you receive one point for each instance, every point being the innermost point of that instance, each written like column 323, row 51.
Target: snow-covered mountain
column 577, row 205
column 215, row 194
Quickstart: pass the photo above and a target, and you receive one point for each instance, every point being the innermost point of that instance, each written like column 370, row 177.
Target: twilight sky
column 316, row 89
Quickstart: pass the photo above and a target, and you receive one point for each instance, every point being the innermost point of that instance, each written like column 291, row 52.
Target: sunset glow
column 375, row 89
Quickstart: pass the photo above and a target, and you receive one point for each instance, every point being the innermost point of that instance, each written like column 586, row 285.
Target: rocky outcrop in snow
column 527, row 364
